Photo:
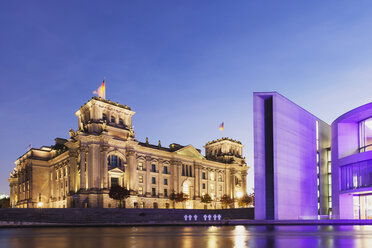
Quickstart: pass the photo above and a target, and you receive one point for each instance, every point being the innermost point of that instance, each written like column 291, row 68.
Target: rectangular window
column 140, row 190
column 140, row 179
column 153, row 168
column 165, row 181
column 190, row 168
column 212, row 176
column 140, row 166
column 203, row 185
column 153, row 192
column 166, row 192
column 153, row 180
column 165, row 170
column 203, row 175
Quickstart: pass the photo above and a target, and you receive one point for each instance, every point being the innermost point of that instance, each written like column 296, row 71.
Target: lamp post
column 40, row 203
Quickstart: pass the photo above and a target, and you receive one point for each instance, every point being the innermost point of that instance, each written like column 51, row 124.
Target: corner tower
column 100, row 115
column 225, row 150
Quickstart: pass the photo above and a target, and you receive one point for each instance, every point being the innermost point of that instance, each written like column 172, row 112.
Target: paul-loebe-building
column 293, row 150
column 103, row 151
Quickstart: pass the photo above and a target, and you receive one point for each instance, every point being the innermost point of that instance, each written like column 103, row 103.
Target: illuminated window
column 140, row 190
column 365, row 135
column 140, row 166
column 140, row 179
column 114, row 161
column 212, row 176
column 212, row 187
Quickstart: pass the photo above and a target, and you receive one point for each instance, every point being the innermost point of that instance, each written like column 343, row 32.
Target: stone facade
column 79, row 172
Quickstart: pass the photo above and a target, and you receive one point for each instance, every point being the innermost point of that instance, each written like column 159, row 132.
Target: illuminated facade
column 352, row 160
column 78, row 172
column 291, row 160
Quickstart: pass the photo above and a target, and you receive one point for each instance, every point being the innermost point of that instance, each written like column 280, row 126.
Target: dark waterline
column 187, row 237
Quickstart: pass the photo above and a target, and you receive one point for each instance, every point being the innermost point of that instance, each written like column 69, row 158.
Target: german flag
column 221, row 126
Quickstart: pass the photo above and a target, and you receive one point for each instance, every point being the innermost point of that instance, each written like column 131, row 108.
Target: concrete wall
column 294, row 159
column 98, row 215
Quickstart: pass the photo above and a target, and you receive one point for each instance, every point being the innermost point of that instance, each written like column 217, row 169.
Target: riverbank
column 122, row 217
column 81, row 217
column 10, row 224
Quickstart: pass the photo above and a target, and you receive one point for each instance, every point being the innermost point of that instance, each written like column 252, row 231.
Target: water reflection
column 188, row 237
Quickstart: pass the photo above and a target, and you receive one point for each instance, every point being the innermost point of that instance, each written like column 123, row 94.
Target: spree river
column 189, row 236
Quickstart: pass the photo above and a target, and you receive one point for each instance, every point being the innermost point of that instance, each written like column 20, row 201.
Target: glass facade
column 358, row 175
column 365, row 135
column 362, row 207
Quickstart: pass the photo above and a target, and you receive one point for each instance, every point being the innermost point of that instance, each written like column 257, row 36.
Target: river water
column 189, row 236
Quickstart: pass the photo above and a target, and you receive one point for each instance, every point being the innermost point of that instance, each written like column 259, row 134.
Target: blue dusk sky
column 183, row 66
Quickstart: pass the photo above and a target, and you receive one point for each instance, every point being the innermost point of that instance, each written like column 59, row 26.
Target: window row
column 153, row 168
column 153, row 180
column 358, row 175
column 153, row 191
column 112, row 120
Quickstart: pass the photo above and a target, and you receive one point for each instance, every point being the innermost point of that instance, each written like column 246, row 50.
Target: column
column 148, row 176
column 82, row 167
column 227, row 183
column 196, row 181
column 132, row 178
column 73, row 170
column 244, row 181
column 104, row 168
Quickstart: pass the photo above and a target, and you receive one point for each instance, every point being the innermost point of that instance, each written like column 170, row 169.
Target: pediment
column 189, row 151
column 116, row 170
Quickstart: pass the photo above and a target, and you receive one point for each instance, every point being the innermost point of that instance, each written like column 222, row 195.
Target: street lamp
column 239, row 194
column 40, row 203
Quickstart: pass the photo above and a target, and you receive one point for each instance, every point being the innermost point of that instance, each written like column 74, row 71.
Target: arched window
column 104, row 117
column 121, row 122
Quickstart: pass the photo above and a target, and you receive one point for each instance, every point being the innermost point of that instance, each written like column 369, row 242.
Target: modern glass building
column 352, row 164
column 305, row 168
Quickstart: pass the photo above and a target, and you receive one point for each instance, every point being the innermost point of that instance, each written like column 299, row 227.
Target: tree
column 119, row 193
column 5, row 202
column 173, row 197
column 181, row 197
column 245, row 200
column 226, row 201
column 206, row 199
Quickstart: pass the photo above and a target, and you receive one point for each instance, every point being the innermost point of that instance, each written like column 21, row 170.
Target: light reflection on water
column 188, row 237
